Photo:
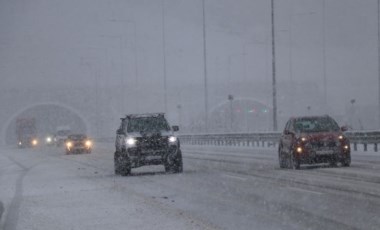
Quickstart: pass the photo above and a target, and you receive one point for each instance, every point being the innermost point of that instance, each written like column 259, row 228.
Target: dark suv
column 309, row 140
column 146, row 139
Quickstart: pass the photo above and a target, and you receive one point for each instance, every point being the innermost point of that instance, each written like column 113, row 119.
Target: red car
column 311, row 140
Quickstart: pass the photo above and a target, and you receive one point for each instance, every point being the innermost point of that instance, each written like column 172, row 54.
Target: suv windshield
column 77, row 137
column 63, row 132
column 309, row 125
column 147, row 124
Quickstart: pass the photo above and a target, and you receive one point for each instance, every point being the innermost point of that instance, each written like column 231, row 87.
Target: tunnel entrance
column 47, row 118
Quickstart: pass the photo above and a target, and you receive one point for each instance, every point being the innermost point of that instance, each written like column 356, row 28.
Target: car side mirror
column 344, row 128
column 175, row 128
column 120, row 132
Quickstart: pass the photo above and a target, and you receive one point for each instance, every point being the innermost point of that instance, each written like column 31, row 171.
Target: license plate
column 324, row 152
column 153, row 157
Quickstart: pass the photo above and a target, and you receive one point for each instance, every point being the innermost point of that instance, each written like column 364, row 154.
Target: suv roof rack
column 128, row 116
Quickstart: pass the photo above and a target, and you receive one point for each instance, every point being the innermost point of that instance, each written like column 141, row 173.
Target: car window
column 309, row 125
column 287, row 126
column 63, row 132
column 77, row 137
column 147, row 124
column 123, row 125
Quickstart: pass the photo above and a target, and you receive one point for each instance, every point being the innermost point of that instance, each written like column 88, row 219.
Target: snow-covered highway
column 221, row 188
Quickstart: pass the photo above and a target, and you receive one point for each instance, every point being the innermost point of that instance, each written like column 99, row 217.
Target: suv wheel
column 175, row 164
column 281, row 158
column 122, row 167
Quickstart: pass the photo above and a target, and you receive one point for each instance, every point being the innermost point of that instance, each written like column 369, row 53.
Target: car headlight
column 69, row 144
column 131, row 142
column 299, row 149
column 341, row 137
column 172, row 139
column 34, row 142
column 48, row 139
column 88, row 143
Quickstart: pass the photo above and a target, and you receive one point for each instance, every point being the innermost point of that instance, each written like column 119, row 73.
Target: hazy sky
column 64, row 43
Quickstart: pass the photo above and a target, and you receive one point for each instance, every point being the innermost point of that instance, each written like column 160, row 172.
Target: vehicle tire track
column 293, row 181
column 1, row 210
column 197, row 223
column 13, row 211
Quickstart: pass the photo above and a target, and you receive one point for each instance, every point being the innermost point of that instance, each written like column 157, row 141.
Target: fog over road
column 221, row 188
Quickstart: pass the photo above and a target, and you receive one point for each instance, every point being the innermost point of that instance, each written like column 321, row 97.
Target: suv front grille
column 152, row 143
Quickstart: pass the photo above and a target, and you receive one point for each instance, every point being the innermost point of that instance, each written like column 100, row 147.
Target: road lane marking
column 234, row 177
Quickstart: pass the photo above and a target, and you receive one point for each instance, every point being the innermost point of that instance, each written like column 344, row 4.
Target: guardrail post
column 355, row 147
column 365, row 147
column 375, row 147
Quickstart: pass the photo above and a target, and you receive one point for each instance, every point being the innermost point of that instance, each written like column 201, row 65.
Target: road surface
column 221, row 188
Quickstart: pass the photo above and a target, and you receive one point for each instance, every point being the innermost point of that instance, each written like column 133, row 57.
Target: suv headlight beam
column 172, row 139
column 69, row 144
column 88, row 143
column 131, row 142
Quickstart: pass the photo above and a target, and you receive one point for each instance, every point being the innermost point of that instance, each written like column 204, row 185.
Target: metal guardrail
column 271, row 139
column 232, row 139
column 365, row 138
column 264, row 139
